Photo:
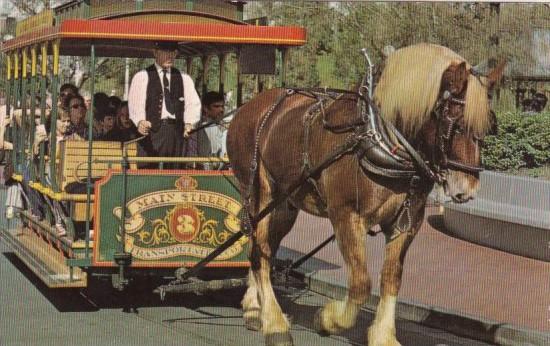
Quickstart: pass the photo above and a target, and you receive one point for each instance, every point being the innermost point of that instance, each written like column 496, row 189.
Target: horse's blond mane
column 410, row 83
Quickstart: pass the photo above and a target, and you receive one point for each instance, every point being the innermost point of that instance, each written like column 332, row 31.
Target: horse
column 435, row 100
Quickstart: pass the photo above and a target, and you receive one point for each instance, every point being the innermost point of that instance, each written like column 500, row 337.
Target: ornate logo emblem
column 184, row 222
column 186, row 183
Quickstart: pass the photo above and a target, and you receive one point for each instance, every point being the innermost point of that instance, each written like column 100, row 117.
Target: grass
column 325, row 67
column 539, row 172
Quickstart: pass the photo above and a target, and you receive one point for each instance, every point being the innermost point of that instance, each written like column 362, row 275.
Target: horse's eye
column 480, row 140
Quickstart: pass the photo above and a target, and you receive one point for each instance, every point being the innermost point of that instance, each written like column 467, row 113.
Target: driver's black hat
column 166, row 45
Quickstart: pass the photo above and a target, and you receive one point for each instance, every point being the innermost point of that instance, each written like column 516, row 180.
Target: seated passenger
column 114, row 102
column 125, row 130
column 5, row 119
column 65, row 91
column 74, row 104
column 101, row 104
column 87, row 99
column 108, row 127
column 64, row 131
column 212, row 139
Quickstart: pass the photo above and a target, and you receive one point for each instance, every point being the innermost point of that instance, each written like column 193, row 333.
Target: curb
column 451, row 321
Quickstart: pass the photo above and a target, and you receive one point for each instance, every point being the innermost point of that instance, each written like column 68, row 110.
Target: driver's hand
column 187, row 129
column 144, row 127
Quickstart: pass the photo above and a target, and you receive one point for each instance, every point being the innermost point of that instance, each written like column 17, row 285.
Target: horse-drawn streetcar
column 360, row 158
column 172, row 218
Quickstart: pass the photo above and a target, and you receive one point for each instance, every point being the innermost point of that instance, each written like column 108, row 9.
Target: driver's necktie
column 166, row 92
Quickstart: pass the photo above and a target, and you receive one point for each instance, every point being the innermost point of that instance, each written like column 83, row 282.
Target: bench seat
column 73, row 166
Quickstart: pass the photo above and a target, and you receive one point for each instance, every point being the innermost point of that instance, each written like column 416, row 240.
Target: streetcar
column 127, row 222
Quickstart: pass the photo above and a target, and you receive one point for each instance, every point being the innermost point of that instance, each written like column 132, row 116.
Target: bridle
column 447, row 126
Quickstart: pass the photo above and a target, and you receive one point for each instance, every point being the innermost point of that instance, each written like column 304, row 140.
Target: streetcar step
column 43, row 260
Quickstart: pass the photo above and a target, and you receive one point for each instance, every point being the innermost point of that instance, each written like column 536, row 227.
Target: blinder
column 447, row 127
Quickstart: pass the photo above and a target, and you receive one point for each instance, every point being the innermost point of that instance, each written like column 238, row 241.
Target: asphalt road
column 31, row 314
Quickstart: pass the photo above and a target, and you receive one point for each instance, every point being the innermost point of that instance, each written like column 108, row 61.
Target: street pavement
column 447, row 283
column 449, row 287
column 31, row 314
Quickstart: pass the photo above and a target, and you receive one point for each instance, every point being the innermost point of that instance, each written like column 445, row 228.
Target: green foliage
column 523, row 141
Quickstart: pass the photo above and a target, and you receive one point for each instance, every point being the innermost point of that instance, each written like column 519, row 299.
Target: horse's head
column 437, row 100
column 458, row 124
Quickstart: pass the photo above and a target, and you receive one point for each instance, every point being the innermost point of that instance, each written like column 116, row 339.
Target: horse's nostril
column 461, row 198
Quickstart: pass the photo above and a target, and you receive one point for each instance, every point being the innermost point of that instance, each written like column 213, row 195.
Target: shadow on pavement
column 101, row 295
column 437, row 223
column 312, row 264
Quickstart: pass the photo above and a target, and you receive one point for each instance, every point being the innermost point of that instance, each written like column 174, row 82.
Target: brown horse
column 271, row 130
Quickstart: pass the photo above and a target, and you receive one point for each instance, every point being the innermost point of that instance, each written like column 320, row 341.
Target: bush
column 523, row 141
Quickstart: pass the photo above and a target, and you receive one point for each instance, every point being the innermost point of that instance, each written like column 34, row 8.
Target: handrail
column 141, row 159
column 59, row 196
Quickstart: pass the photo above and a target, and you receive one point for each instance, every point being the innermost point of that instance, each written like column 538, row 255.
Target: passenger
column 65, row 91
column 125, row 130
column 20, row 192
column 212, row 139
column 163, row 104
column 114, row 103
column 64, row 131
column 77, row 112
column 108, row 126
column 101, row 104
column 17, row 113
column 5, row 120
column 87, row 99
column 13, row 197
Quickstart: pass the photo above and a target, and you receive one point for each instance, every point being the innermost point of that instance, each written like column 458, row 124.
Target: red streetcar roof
column 134, row 38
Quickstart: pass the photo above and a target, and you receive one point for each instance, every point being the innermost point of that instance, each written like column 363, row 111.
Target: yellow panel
column 79, row 211
column 215, row 7
column 44, row 19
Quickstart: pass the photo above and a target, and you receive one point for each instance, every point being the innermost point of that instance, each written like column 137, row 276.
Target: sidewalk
column 447, row 283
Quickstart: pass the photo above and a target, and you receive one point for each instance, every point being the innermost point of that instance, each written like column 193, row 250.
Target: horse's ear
column 455, row 78
column 496, row 74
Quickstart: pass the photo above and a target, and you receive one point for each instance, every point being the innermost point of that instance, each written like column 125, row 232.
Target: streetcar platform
column 43, row 259
column 448, row 283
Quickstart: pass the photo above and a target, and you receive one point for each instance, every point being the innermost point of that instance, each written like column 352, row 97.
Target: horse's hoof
column 253, row 323
column 318, row 325
column 279, row 339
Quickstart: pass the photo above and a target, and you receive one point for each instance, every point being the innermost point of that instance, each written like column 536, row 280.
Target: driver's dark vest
column 153, row 102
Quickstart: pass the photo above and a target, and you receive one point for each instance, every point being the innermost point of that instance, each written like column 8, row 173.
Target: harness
column 378, row 145
column 380, row 148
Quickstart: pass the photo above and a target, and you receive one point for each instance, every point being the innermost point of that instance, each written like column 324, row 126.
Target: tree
column 30, row 7
column 482, row 33
column 317, row 17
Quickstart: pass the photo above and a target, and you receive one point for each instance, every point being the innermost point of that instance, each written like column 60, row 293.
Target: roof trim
column 154, row 31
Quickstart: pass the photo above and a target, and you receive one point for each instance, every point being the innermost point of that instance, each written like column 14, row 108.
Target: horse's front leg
column 382, row 330
column 350, row 234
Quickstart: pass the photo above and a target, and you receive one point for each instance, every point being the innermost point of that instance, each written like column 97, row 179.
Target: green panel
column 171, row 218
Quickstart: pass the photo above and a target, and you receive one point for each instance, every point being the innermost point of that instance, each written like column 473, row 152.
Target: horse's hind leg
column 283, row 219
column 260, row 296
column 382, row 331
column 351, row 236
